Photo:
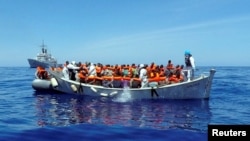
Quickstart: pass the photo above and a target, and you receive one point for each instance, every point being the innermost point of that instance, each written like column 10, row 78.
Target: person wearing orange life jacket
column 41, row 73
column 172, row 78
column 152, row 66
column 162, row 70
column 117, row 70
column 154, row 80
column 153, row 76
column 77, row 71
column 117, row 83
column 160, row 75
column 82, row 73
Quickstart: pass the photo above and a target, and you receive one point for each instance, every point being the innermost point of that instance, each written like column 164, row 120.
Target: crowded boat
column 119, row 75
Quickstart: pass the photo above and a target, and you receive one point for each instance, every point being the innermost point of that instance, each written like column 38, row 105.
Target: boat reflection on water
column 65, row 110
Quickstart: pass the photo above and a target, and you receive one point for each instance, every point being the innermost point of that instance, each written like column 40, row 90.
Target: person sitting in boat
column 135, row 81
column 182, row 74
column 169, row 68
column 134, row 70
column 82, row 74
column 41, row 73
column 178, row 73
column 175, row 76
column 143, row 76
column 162, row 76
column 152, row 66
column 153, row 78
column 107, row 76
column 117, row 83
column 172, row 78
column 126, row 78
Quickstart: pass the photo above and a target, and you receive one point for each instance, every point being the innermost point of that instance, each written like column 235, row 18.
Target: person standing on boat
column 190, row 64
column 143, row 76
column 72, row 68
column 69, row 70
column 65, row 70
column 92, row 70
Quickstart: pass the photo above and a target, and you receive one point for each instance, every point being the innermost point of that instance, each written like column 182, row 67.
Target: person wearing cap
column 190, row 63
column 143, row 76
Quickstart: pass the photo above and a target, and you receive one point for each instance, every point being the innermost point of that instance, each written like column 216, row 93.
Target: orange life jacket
column 173, row 78
column 42, row 73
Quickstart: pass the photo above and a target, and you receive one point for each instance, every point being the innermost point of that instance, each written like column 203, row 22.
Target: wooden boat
column 198, row 88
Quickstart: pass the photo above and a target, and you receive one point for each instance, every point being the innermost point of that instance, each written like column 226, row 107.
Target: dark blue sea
column 28, row 115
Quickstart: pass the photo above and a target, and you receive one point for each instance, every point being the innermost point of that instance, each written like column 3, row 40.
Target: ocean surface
column 28, row 115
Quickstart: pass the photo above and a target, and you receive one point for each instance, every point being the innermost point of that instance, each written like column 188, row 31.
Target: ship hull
column 35, row 63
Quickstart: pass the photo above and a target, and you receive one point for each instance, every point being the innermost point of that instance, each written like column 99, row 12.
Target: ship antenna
column 43, row 47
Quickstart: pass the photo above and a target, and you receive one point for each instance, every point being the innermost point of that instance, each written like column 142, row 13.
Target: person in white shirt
column 92, row 70
column 69, row 70
column 190, row 63
column 72, row 70
column 65, row 70
column 143, row 76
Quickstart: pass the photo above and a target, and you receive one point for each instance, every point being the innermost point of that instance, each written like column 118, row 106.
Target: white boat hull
column 198, row 88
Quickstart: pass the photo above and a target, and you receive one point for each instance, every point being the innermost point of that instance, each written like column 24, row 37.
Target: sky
column 217, row 32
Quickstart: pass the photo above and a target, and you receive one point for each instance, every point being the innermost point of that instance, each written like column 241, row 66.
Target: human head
column 141, row 65
column 67, row 62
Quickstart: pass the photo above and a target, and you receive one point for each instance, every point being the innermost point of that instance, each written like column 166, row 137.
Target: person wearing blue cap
column 190, row 63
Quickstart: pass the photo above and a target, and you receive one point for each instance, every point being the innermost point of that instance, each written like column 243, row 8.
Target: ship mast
column 43, row 46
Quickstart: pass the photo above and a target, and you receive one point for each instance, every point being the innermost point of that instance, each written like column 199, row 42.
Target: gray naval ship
column 43, row 59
